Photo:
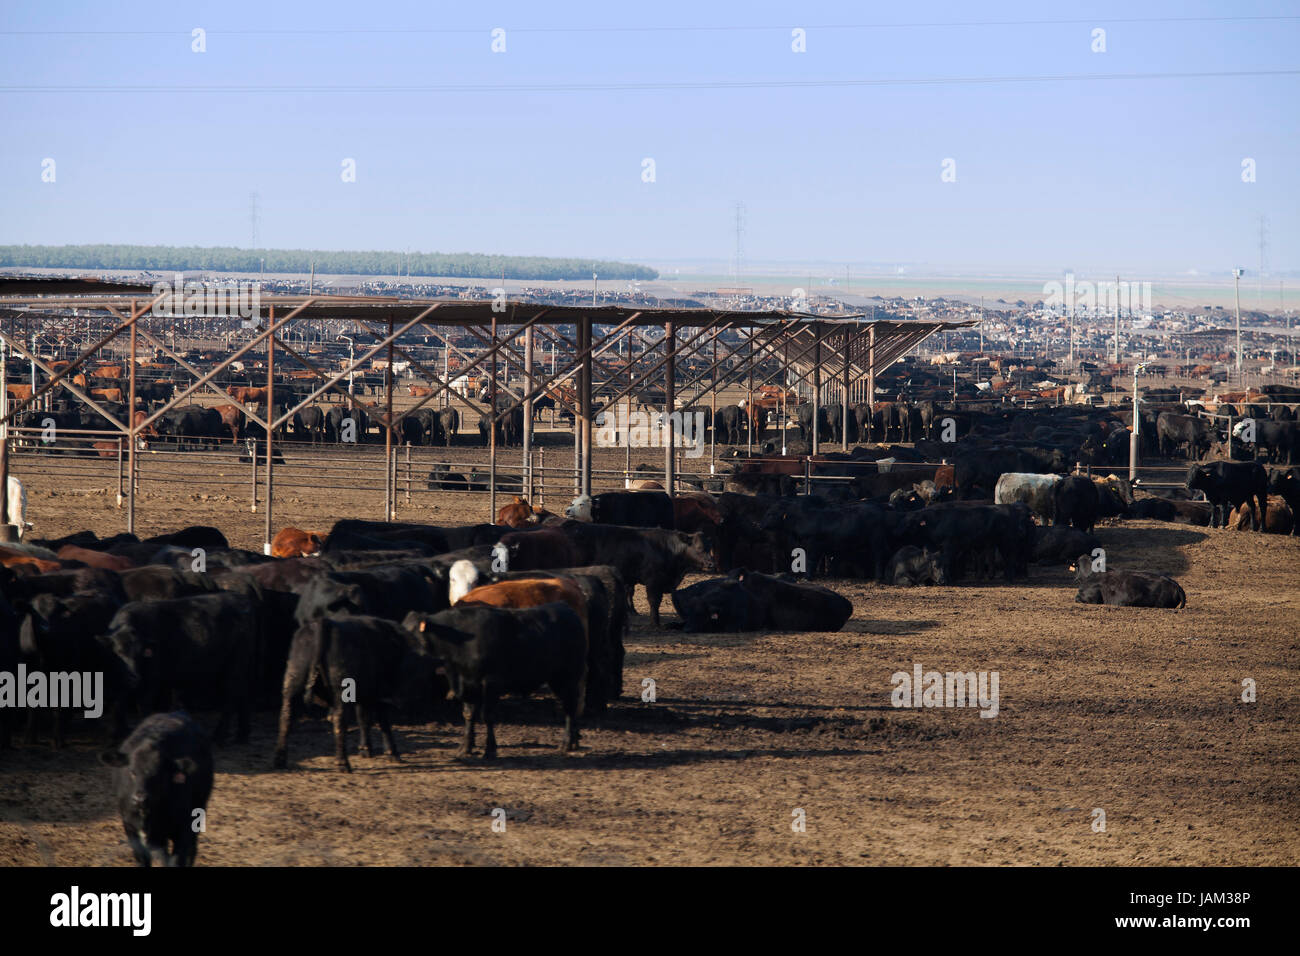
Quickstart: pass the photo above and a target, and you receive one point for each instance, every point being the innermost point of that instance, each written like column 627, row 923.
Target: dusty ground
column 1136, row 712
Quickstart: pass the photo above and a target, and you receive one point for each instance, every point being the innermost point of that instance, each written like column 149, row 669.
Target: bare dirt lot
column 1135, row 712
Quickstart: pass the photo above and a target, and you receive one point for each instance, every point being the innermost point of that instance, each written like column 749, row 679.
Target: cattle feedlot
column 541, row 440
column 1134, row 711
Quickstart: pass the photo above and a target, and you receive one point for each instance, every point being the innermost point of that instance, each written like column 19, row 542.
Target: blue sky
column 1136, row 176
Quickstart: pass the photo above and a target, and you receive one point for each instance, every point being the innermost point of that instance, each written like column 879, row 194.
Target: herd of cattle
column 373, row 617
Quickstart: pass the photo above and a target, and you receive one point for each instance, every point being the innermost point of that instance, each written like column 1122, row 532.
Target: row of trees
column 464, row 265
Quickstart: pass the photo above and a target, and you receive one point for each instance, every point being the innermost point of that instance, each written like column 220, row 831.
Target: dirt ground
column 1135, row 712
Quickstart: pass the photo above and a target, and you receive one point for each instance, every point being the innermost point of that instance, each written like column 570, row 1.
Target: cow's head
column 462, row 579
column 581, row 509
column 698, row 551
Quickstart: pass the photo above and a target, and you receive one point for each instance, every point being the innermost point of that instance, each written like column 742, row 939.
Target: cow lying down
column 752, row 601
column 1126, row 588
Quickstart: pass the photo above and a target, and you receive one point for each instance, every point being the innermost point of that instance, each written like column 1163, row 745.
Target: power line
column 715, row 28
column 665, row 86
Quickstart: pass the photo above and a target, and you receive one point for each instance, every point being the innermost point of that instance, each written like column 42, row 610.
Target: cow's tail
column 1182, row 597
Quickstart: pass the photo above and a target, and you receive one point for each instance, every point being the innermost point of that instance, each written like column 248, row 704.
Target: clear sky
column 837, row 152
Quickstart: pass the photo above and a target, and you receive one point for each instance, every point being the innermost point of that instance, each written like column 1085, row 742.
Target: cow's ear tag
column 422, row 627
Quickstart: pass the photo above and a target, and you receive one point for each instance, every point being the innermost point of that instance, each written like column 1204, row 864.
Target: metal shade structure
column 845, row 352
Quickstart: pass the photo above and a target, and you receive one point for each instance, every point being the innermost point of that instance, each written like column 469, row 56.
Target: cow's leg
column 571, row 701
column 386, row 726
column 467, row 738
column 654, row 596
column 282, row 740
column 138, row 849
column 363, row 725
column 57, row 717
column 339, row 717
column 29, row 731
column 1263, row 509
column 490, row 744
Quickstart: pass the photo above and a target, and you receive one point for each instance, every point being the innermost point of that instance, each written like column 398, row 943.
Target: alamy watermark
column 650, row 430
column 57, row 690
column 923, row 688
column 1101, row 297
column 237, row 300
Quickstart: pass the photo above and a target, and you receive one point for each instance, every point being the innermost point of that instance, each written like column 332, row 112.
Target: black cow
column 911, row 566
column 162, row 774
column 652, row 557
column 606, row 599
column 205, row 645
column 850, row 541
column 751, row 601
column 804, row 416
column 309, row 423
column 975, row 536
column 337, row 421
column 1277, row 440
column 1227, row 486
column 428, row 417
column 387, row 591
column 160, row 583
column 631, row 509
column 1126, row 588
column 835, row 415
column 449, row 423
column 1175, row 431
column 59, row 635
column 1060, row 544
column 373, row 653
column 410, row 430
column 489, row 651
column 730, row 425
column 190, row 424
column 9, row 658
column 1075, row 502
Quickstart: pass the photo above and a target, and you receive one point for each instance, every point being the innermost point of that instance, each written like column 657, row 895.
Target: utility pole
column 1236, row 294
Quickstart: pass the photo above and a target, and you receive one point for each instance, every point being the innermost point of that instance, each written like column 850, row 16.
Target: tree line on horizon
column 461, row 265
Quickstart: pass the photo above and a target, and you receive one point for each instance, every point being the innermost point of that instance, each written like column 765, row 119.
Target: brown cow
column 105, row 449
column 295, row 543
column 945, row 476
column 107, row 394
column 249, row 395
column 95, row 559
column 1280, row 520
column 647, row 484
column 19, row 393
column 232, row 417
column 696, row 511
column 532, row 592
column 420, row 391
column 290, row 542
column 108, row 371
column 14, row 560
column 517, row 514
